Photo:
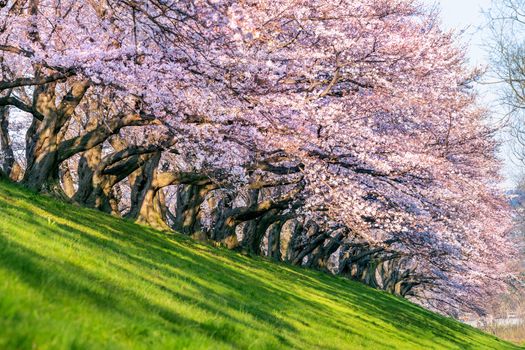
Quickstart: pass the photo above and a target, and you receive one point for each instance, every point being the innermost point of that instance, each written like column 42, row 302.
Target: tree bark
column 95, row 189
column 148, row 202
column 67, row 181
column 274, row 240
column 43, row 138
column 255, row 231
column 147, row 195
column 188, row 213
column 89, row 161
column 46, row 148
column 321, row 254
column 229, row 217
column 8, row 165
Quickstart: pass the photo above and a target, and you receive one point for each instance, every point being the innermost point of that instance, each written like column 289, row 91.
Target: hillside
column 72, row 278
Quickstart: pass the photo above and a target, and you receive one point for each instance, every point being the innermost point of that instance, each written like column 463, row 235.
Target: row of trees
column 340, row 135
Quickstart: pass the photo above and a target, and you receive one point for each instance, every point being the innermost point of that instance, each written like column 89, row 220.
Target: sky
column 467, row 17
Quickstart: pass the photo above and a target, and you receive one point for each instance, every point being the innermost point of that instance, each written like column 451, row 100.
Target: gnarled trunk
column 188, row 213
column 255, row 230
column 148, row 204
column 8, row 165
column 320, row 255
column 229, row 218
column 274, row 240
column 67, row 180
column 45, row 135
column 153, row 210
column 42, row 171
column 96, row 187
column 89, row 161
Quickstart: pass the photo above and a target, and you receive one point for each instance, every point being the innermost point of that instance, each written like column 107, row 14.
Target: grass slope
column 72, row 278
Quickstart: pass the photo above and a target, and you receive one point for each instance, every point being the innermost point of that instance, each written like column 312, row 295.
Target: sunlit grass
column 72, row 278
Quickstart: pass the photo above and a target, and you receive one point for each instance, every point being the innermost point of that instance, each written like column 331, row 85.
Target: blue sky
column 467, row 16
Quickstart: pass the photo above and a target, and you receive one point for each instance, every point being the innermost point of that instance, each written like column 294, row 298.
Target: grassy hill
column 72, row 278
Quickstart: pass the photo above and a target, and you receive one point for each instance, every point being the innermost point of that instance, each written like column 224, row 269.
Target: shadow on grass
column 223, row 283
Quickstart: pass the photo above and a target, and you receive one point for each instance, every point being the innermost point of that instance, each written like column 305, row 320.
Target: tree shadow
column 239, row 291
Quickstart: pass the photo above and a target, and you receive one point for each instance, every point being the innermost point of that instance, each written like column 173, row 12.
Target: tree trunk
column 108, row 175
column 290, row 239
column 67, row 181
column 274, row 240
column 255, row 232
column 321, row 255
column 188, row 213
column 224, row 225
column 229, row 218
column 7, row 156
column 41, row 172
column 96, row 186
column 87, row 166
column 44, row 136
column 153, row 210
column 250, row 227
column 147, row 200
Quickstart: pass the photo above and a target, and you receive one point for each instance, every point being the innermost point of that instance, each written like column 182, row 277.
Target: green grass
column 72, row 278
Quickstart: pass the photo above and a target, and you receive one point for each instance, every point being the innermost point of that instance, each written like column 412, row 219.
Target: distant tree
column 506, row 20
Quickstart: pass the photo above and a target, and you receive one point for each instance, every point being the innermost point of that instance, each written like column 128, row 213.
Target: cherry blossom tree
column 340, row 135
column 377, row 103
